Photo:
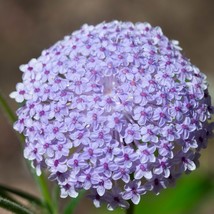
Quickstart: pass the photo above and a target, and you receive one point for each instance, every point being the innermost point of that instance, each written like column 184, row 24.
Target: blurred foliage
column 184, row 198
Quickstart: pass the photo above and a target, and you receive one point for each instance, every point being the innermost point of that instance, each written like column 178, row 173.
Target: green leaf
column 13, row 206
column 55, row 197
column 27, row 196
column 69, row 209
column 7, row 196
column 183, row 198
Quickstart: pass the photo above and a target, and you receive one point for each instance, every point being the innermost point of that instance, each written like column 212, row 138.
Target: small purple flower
column 185, row 128
column 133, row 191
column 33, row 152
column 94, row 101
column 142, row 96
column 42, row 113
column 185, row 161
column 103, row 185
column 146, row 153
column 185, row 71
column 101, row 136
column 20, row 124
column 165, row 149
column 88, row 178
column 48, row 150
column 170, row 133
column 150, row 133
column 162, row 116
column 126, row 157
column 58, row 111
column 108, row 103
column 80, row 103
column 61, row 148
column 178, row 110
column 80, row 137
column 156, row 184
column 112, row 150
column 107, row 167
column 57, row 164
column 114, row 200
column 190, row 144
column 162, row 167
column 143, row 114
column 20, row 94
column 122, row 173
column 142, row 170
column 79, row 84
column 56, row 131
column 76, row 164
column 68, row 190
column 91, row 152
column 164, row 78
column 116, row 121
column 94, row 117
column 132, row 133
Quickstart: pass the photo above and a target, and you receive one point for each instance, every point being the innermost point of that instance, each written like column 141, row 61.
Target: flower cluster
column 115, row 109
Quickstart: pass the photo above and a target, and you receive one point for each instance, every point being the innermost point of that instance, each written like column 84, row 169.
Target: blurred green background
column 28, row 26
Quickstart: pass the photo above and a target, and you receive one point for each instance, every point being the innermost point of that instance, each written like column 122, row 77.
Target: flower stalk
column 6, row 109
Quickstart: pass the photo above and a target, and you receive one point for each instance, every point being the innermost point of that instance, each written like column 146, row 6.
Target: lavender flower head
column 115, row 109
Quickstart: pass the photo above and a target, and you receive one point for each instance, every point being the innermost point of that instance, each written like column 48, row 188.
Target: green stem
column 7, row 196
column 40, row 180
column 43, row 186
column 130, row 210
column 7, row 110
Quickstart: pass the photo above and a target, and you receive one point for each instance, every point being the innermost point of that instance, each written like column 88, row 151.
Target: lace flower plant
column 115, row 109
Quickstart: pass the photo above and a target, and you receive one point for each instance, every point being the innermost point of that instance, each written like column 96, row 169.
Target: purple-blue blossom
column 114, row 109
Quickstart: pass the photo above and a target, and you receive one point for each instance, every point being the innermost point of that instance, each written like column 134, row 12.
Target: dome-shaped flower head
column 115, row 109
